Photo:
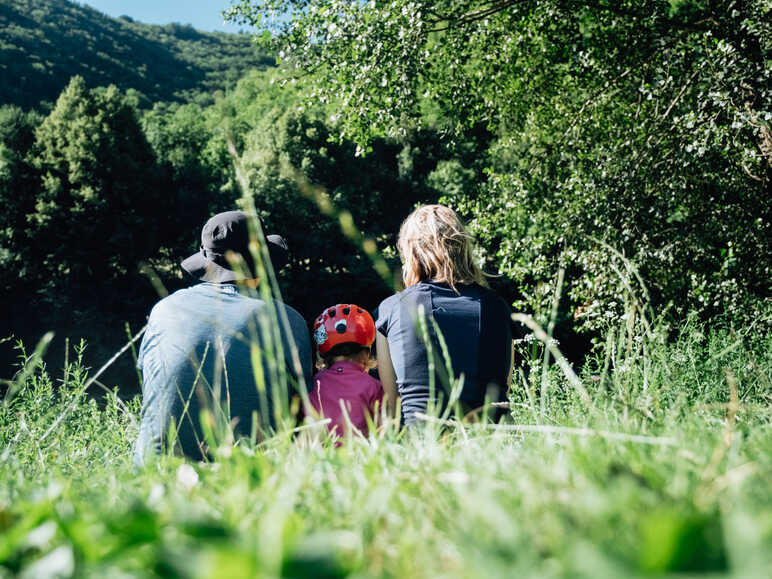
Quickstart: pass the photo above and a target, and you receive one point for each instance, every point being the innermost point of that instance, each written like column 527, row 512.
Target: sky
column 202, row 14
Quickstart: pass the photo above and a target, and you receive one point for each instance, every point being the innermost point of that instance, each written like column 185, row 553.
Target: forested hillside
column 46, row 42
column 629, row 148
column 96, row 191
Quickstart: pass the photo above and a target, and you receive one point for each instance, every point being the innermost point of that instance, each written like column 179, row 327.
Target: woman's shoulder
column 388, row 311
column 407, row 294
column 488, row 293
column 421, row 286
column 467, row 290
column 433, row 290
column 494, row 306
column 473, row 298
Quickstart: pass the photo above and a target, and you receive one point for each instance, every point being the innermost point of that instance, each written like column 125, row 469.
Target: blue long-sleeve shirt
column 210, row 347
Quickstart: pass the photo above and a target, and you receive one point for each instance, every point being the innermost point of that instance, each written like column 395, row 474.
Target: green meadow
column 656, row 459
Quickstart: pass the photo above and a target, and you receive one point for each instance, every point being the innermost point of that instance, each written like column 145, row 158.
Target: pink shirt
column 359, row 391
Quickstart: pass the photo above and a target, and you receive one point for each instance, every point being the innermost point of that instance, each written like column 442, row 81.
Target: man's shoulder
column 297, row 326
column 171, row 301
column 291, row 312
column 205, row 297
column 293, row 316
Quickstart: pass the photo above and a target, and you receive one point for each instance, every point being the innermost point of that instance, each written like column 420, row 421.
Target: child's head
column 350, row 352
column 344, row 332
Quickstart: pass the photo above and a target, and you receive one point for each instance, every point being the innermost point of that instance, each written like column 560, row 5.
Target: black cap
column 229, row 232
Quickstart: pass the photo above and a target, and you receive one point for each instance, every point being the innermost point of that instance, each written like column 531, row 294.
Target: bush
column 639, row 129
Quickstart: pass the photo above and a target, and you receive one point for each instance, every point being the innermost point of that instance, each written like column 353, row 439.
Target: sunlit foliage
column 639, row 129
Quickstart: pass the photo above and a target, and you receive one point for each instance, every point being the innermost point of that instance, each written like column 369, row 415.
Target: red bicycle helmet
column 341, row 324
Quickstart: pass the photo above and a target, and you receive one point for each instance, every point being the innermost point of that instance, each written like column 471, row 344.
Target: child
column 344, row 334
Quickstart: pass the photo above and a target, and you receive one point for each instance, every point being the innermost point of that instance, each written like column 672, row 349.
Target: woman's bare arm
column 386, row 373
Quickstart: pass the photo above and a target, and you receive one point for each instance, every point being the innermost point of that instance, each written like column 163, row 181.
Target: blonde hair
column 435, row 246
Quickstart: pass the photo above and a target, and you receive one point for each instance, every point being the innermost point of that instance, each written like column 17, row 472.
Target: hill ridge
column 46, row 42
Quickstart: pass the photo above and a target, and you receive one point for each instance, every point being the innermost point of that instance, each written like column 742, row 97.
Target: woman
column 445, row 305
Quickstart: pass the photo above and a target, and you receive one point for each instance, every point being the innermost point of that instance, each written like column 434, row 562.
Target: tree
column 373, row 189
column 19, row 182
column 98, row 211
column 270, row 126
column 193, row 174
column 628, row 135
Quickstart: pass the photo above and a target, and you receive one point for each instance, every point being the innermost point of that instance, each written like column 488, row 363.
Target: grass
column 664, row 469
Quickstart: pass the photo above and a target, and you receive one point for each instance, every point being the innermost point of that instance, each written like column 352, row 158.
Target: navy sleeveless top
column 476, row 327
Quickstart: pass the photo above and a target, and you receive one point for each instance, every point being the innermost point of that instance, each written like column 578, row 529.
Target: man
column 215, row 351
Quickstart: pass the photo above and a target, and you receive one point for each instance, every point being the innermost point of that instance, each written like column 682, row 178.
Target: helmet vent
column 340, row 327
column 346, row 311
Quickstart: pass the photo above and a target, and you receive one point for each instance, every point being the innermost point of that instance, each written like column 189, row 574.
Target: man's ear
column 250, row 283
